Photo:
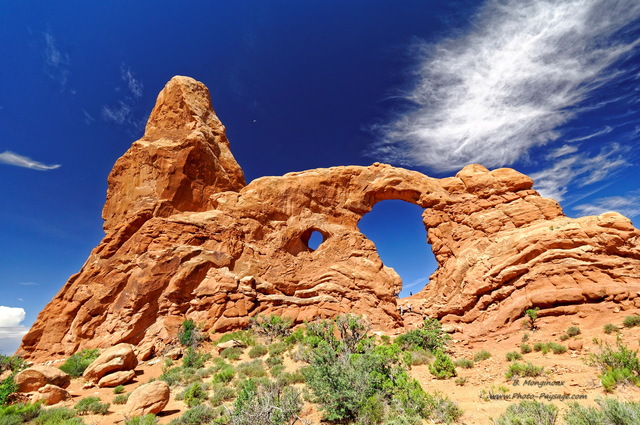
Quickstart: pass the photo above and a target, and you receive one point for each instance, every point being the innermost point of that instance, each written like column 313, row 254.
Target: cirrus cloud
column 11, row 158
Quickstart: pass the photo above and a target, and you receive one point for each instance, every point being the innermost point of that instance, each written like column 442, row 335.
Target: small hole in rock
column 315, row 240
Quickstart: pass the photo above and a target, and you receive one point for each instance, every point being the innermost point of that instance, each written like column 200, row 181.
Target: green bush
column 631, row 321
column 543, row 347
column 513, row 356
column 564, row 337
column 221, row 394
column 12, row 363
column 532, row 316
column 288, row 378
column 77, row 363
column 573, row 331
column 195, row 359
column 278, row 348
column 430, row 337
column 142, row 420
column 442, row 410
column 464, row 363
column 195, row 394
column 189, row 334
column 617, row 365
column 252, row 369
column 557, row 348
column 271, row 327
column 8, row 386
column 119, row 389
column 295, row 336
column 442, row 367
column 224, row 375
column 610, row 328
column 201, row 414
column 91, row 405
column 179, row 375
column 18, row 413
column 520, row 369
column 121, row 398
column 246, row 337
column 609, row 412
column 528, row 412
column 273, row 361
column 481, row 355
column 258, row 351
column 232, row 353
column 58, row 416
column 525, row 348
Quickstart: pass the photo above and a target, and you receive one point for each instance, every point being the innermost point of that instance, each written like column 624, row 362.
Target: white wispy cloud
column 554, row 181
column 123, row 112
column 11, row 330
column 28, row 283
column 507, row 85
column 11, row 158
column 135, row 86
column 57, row 63
column 628, row 205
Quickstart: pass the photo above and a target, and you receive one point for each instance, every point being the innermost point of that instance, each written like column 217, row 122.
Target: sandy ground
column 566, row 377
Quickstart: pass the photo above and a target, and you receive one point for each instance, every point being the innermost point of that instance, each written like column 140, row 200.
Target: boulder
column 117, row 378
column 148, row 398
column 575, row 344
column 118, row 358
column 51, row 394
column 229, row 344
column 38, row 376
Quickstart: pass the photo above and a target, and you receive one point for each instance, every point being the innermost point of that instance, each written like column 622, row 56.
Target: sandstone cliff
column 185, row 238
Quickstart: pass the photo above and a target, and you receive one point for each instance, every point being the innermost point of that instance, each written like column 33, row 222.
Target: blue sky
column 547, row 87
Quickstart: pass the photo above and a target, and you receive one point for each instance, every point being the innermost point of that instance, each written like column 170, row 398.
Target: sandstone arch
column 186, row 238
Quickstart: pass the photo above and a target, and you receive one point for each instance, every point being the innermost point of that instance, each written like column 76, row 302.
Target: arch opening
column 315, row 239
column 397, row 230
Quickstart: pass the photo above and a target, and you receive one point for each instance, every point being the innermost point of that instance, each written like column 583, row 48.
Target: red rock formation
column 186, row 239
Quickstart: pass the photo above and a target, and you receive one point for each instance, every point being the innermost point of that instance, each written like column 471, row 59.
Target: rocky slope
column 186, row 238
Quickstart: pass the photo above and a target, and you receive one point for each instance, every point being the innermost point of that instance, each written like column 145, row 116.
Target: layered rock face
column 185, row 238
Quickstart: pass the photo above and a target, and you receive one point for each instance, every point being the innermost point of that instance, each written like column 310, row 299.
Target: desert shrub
column 543, row 347
column 564, row 337
column 577, row 414
column 195, row 359
column 221, row 394
column 258, row 351
column 118, row 389
column 224, row 375
column 609, row 412
column 617, row 365
column 268, row 404
column 8, row 386
column 189, row 334
column 18, row 413
column 442, row 367
column 420, row 356
column 252, row 369
column 513, row 356
column 271, row 327
column 573, row 331
column 520, row 369
column 631, row 321
column 12, row 363
column 528, row 412
column 201, row 414
column 276, row 370
column 481, row 355
column 557, row 348
column 273, row 361
column 610, row 328
column 343, row 381
column 278, row 348
column 58, row 416
column 121, row 398
column 232, row 353
column 195, row 394
column 295, row 336
column 142, row 420
column 532, row 318
column 460, row 380
column 91, row 405
column 525, row 348
column 77, row 363
column 464, row 363
column 430, row 337
column 441, row 409
column 288, row 378
column 246, row 337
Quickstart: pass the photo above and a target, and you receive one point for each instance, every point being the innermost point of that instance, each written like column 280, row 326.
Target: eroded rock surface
column 185, row 238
